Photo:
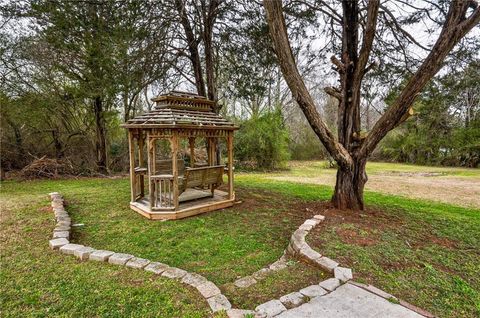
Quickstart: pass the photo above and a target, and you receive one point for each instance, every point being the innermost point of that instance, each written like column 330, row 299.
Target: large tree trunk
column 349, row 187
column 192, row 44
column 351, row 150
column 209, row 17
column 100, row 140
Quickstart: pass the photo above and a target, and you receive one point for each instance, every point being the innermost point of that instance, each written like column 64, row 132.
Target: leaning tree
column 357, row 24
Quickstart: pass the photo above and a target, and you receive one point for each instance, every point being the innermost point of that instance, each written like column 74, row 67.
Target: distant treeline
column 73, row 71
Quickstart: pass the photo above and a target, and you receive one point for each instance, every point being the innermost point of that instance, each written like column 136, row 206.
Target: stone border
column 298, row 247
column 261, row 274
column 60, row 242
column 212, row 294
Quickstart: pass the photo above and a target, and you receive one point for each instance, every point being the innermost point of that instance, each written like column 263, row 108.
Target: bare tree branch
column 278, row 30
column 455, row 28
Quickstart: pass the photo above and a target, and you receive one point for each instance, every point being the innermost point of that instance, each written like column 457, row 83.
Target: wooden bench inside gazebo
column 162, row 185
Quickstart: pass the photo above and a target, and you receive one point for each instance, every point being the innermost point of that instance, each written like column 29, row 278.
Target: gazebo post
column 131, row 151
column 140, row 142
column 230, row 164
column 211, row 151
column 174, row 148
column 191, row 141
column 150, row 160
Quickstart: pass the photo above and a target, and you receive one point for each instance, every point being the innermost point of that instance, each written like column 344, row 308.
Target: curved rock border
column 212, row 294
column 261, row 274
column 60, row 241
column 298, row 247
column 216, row 300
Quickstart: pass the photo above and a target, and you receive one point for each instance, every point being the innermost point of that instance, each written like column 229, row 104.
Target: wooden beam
column 141, row 164
column 191, row 141
column 131, row 152
column 174, row 148
column 141, row 141
column 231, row 193
column 150, row 160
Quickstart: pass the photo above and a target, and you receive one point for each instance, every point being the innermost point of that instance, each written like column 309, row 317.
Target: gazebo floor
column 192, row 202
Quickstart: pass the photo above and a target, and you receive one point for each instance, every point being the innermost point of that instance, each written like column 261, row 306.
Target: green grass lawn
column 225, row 245
column 222, row 245
column 307, row 168
column 426, row 253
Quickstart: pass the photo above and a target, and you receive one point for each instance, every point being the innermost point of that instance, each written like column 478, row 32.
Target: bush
column 263, row 140
column 306, row 145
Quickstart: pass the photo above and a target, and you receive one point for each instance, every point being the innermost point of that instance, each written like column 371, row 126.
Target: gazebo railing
column 162, row 197
column 139, row 188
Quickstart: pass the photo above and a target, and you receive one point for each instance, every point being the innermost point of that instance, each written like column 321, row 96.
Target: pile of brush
column 44, row 167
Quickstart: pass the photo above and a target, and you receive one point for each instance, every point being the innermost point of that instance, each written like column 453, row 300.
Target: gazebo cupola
column 167, row 179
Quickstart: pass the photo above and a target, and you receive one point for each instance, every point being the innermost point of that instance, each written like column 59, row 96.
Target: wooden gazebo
column 174, row 190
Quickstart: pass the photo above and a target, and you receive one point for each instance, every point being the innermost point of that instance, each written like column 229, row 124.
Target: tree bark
column 352, row 150
column 349, row 186
column 209, row 17
column 100, row 138
column 192, row 45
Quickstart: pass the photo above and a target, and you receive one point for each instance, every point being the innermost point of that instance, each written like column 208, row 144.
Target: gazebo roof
column 181, row 110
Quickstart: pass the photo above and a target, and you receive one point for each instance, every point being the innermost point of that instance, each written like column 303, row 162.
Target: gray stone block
column 292, row 300
column 306, row 227
column 310, row 254
column 245, row 282
column 326, row 263
column 156, row 267
column 100, row 255
column 55, row 244
column 193, row 279
column 61, row 228
column 261, row 274
column 70, row 248
column 61, row 234
column 313, row 291
column 208, row 289
column 319, row 217
column 278, row 265
column 290, row 249
column 270, row 308
column 298, row 240
column 330, row 284
column 343, row 274
column 59, row 213
column 137, row 263
column 219, row 302
column 239, row 313
column 83, row 253
column 119, row 258
column 65, row 219
column 312, row 222
column 174, row 272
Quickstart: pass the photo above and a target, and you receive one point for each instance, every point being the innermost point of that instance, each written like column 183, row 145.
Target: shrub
column 264, row 141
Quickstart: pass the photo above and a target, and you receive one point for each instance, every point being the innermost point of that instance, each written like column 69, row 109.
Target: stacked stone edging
column 298, row 247
column 60, row 241
column 216, row 300
column 261, row 274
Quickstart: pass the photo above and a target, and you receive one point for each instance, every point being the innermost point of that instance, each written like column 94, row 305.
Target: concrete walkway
column 349, row 301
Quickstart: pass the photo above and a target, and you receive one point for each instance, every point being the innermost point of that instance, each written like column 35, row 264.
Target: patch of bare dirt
column 47, row 208
column 446, row 189
column 352, row 236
